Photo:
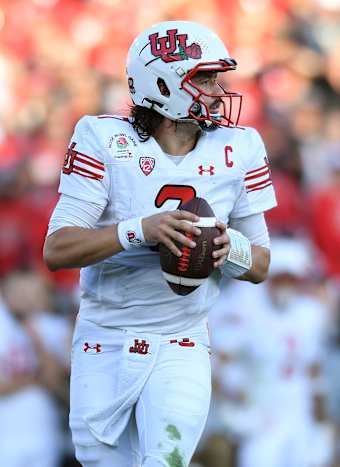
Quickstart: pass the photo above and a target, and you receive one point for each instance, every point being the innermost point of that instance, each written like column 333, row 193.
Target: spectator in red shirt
column 325, row 217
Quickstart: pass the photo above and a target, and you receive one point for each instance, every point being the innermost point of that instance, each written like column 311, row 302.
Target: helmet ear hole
column 163, row 88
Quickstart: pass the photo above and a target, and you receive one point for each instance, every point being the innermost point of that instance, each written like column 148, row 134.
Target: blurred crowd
column 61, row 59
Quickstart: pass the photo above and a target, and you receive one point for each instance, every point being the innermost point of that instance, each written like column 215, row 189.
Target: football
column 184, row 274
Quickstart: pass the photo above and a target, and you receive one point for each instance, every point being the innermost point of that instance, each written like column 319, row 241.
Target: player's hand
column 223, row 241
column 169, row 227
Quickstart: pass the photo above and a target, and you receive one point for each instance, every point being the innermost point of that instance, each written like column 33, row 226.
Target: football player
column 269, row 369
column 140, row 384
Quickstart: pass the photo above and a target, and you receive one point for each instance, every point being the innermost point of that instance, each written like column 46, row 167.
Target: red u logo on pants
column 140, row 347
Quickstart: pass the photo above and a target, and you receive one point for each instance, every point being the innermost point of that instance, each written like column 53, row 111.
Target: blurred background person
column 269, row 345
column 325, row 211
column 34, row 365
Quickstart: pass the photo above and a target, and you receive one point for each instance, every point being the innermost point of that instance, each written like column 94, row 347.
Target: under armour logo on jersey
column 147, row 164
column 185, row 342
column 96, row 348
column 173, row 47
column 206, row 171
column 140, row 347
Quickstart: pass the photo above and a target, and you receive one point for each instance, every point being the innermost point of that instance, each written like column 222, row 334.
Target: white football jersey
column 108, row 165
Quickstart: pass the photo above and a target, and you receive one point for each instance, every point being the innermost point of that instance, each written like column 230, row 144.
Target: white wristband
column 130, row 233
column 239, row 259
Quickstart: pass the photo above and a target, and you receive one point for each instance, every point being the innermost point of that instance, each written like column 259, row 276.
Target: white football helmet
column 161, row 63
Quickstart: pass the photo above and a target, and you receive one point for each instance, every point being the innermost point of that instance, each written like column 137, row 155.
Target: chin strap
column 207, row 125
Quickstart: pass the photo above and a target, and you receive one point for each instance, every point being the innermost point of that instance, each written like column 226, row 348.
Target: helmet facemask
column 231, row 102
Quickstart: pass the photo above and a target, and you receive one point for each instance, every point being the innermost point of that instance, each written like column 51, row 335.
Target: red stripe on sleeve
column 260, row 174
column 97, row 176
column 254, row 185
column 93, row 177
column 261, row 187
column 256, row 170
column 91, row 164
column 96, row 161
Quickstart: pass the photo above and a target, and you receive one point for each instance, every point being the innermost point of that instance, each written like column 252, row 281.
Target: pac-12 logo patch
column 147, row 164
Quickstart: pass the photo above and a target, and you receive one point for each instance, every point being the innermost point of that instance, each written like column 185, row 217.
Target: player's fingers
column 170, row 245
column 185, row 226
column 219, row 263
column 217, row 254
column 185, row 215
column 178, row 223
column 220, row 255
column 182, row 238
column 221, row 225
column 178, row 236
column 222, row 239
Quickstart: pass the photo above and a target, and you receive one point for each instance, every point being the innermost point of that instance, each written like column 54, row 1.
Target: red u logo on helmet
column 165, row 47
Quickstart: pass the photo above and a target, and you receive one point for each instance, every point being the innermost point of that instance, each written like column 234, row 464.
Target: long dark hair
column 145, row 121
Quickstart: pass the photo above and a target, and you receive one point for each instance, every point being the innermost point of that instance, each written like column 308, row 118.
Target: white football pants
column 138, row 399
